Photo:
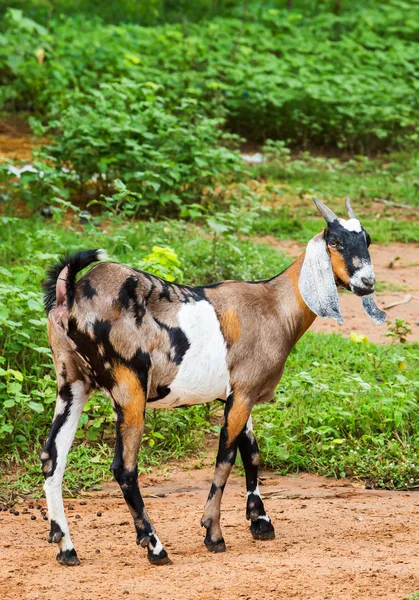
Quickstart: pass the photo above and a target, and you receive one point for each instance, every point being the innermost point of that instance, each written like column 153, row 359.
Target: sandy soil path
column 399, row 280
column 335, row 541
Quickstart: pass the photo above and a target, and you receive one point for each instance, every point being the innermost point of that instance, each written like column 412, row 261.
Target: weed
column 398, row 331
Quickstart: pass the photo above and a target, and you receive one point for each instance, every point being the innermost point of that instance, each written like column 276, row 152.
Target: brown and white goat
column 148, row 343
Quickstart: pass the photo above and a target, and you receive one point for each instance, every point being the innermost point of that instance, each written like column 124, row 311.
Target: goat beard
column 377, row 315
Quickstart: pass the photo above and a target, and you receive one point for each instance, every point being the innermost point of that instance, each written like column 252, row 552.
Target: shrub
column 345, row 80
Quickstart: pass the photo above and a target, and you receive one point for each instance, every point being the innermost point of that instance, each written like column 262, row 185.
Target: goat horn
column 351, row 213
column 326, row 212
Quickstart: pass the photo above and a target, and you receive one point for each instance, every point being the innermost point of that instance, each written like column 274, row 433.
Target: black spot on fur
column 63, row 371
column 178, row 341
column 55, row 533
column 168, row 291
column 128, row 297
column 87, row 348
column 162, row 392
column 212, row 491
column 88, row 290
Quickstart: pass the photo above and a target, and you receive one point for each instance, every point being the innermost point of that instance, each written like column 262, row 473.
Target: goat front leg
column 130, row 413
column 236, row 413
column 261, row 527
column 70, row 402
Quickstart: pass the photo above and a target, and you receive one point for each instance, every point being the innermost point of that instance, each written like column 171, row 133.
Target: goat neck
column 290, row 302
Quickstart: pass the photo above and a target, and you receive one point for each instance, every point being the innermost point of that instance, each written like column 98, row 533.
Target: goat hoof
column 68, row 558
column 217, row 546
column 159, row 559
column 262, row 530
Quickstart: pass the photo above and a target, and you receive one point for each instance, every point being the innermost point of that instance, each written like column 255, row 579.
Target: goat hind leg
column 236, row 413
column 261, row 527
column 70, row 402
column 129, row 430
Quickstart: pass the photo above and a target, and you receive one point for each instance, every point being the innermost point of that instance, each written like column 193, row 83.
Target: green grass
column 288, row 183
column 284, row 223
column 392, row 176
column 345, row 409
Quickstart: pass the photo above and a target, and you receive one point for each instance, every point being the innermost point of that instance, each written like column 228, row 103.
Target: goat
column 146, row 342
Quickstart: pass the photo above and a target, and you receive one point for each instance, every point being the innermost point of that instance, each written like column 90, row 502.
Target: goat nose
column 368, row 281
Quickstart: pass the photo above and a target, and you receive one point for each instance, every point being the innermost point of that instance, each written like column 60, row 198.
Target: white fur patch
column 249, row 424
column 102, row 255
column 63, row 441
column 351, row 225
column 256, row 492
column 366, row 271
column 158, row 547
column 203, row 375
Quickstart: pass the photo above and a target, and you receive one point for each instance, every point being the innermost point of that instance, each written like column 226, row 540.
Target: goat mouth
column 342, row 284
column 362, row 291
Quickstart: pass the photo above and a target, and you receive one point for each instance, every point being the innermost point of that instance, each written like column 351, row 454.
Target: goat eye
column 335, row 244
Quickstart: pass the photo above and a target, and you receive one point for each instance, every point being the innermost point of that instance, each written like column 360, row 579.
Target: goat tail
column 61, row 278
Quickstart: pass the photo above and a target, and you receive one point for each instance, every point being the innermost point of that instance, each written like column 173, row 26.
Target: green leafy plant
column 398, row 331
column 123, row 202
column 162, row 262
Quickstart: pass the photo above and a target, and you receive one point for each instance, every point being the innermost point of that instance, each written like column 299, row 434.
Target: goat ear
column 317, row 283
column 377, row 315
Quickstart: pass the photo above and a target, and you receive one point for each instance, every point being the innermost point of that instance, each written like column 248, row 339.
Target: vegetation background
column 137, row 114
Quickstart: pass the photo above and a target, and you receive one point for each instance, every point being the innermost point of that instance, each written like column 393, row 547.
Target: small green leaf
column 36, row 406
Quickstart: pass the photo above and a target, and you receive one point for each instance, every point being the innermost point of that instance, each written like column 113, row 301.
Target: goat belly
column 203, row 373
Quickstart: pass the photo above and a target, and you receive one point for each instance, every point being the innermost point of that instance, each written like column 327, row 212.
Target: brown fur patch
column 255, row 459
column 117, row 308
column 230, row 325
column 237, row 417
column 63, row 352
column 338, row 266
column 130, row 396
column 293, row 274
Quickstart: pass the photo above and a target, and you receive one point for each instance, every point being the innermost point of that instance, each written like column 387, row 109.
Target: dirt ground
column 397, row 268
column 334, row 541
column 16, row 141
